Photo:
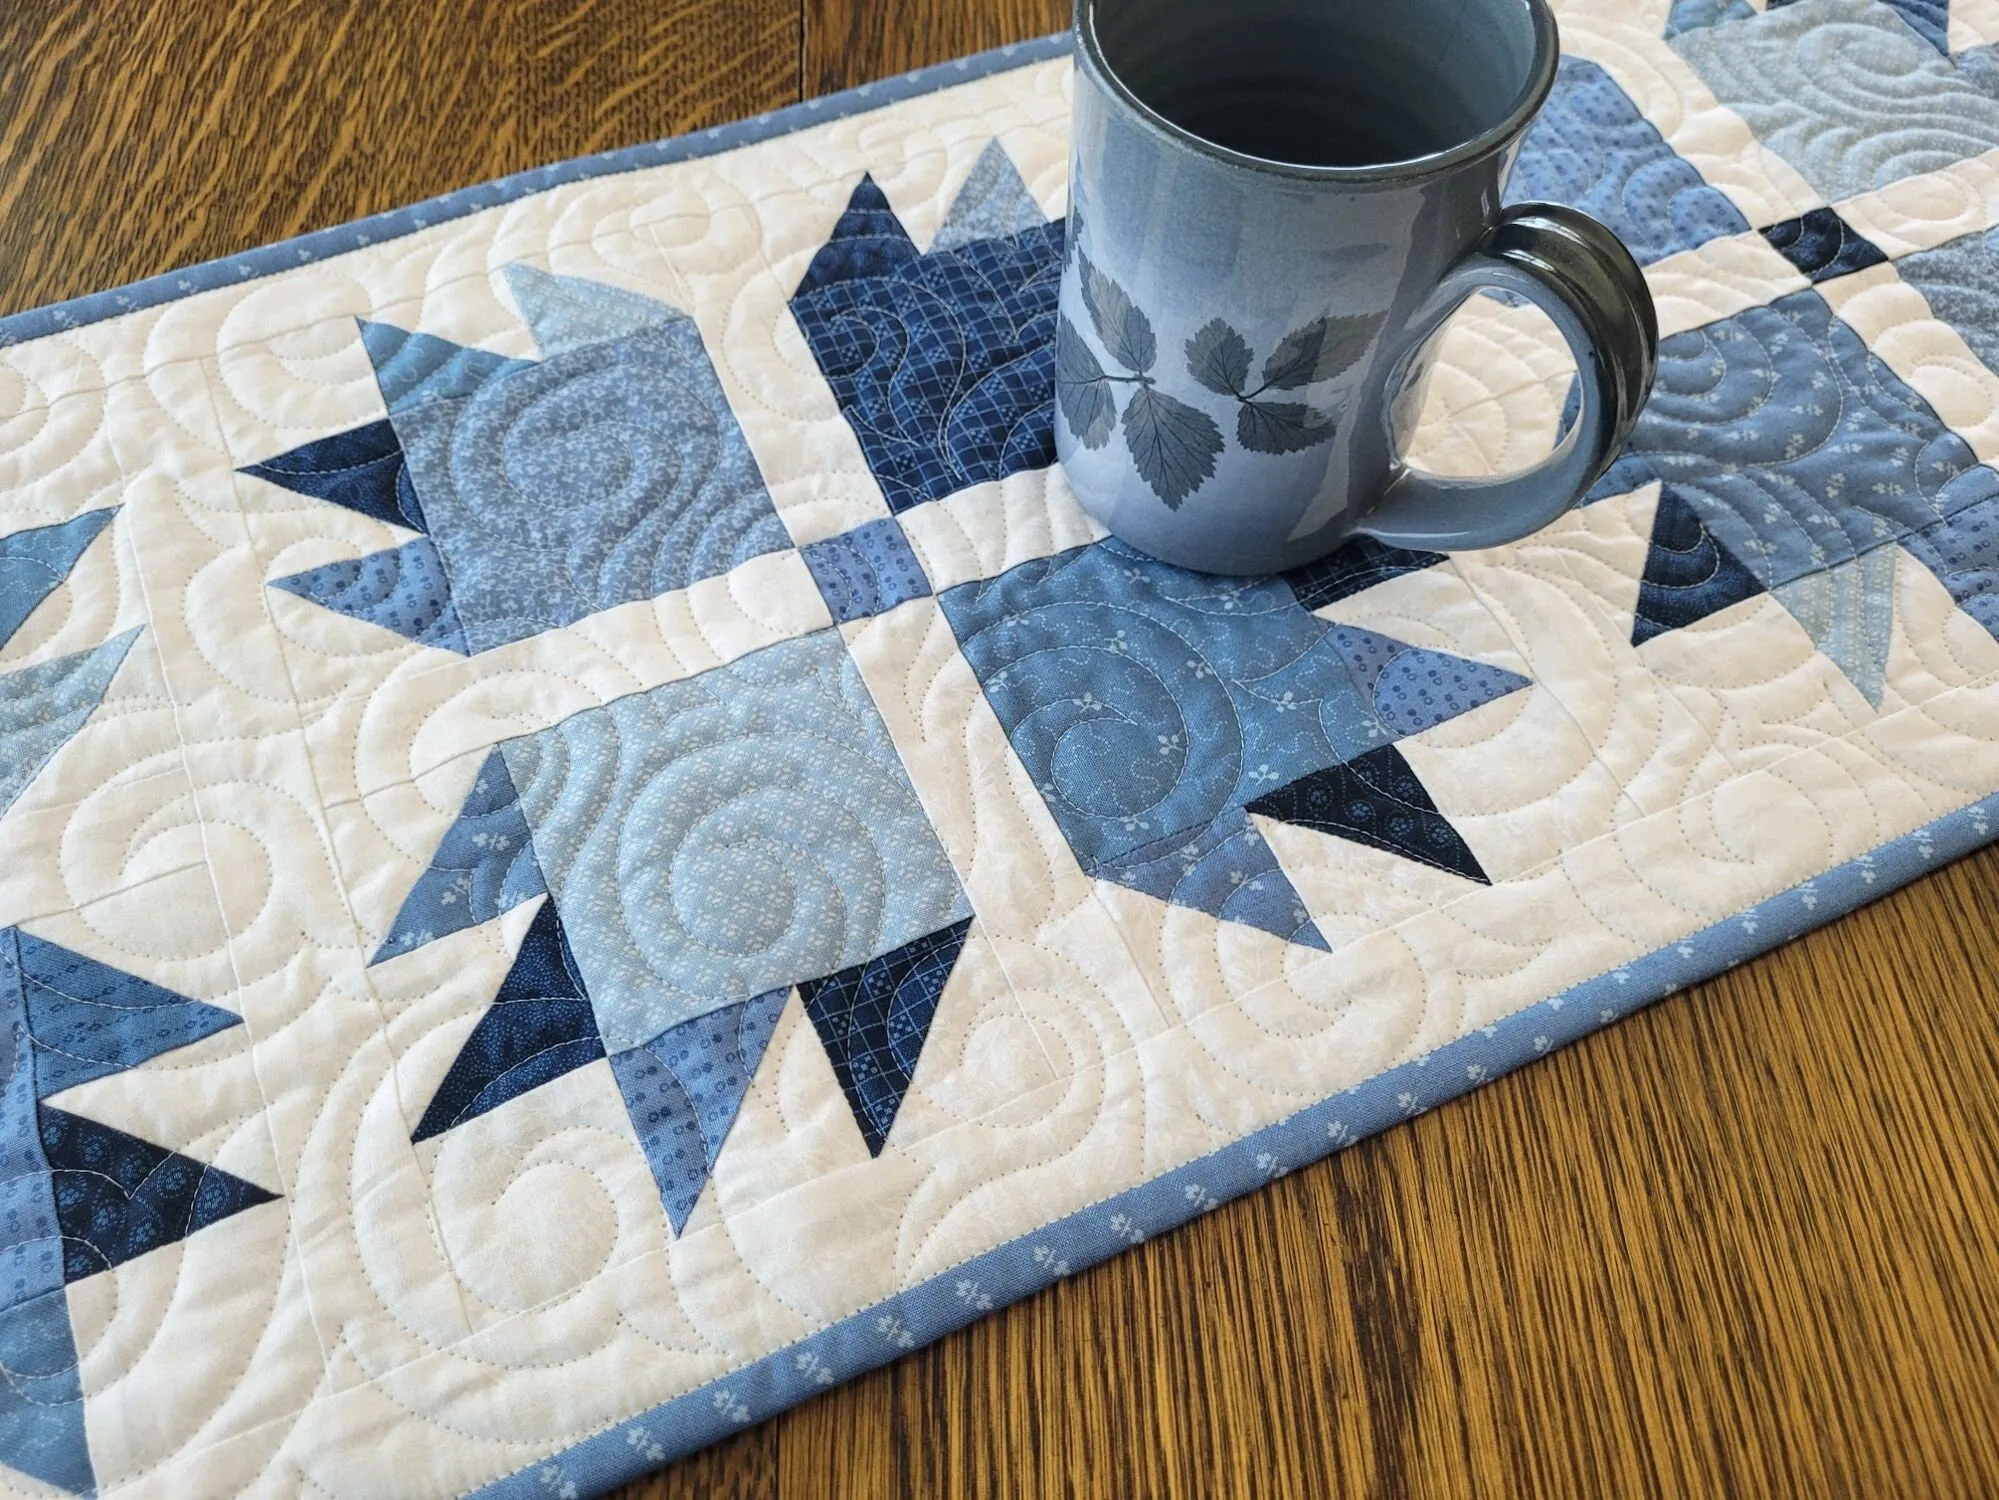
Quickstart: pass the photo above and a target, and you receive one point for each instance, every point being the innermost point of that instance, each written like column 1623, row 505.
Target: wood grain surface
column 1745, row 1243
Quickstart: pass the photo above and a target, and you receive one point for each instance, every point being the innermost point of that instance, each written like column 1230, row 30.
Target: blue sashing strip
column 1025, row 1265
column 268, row 260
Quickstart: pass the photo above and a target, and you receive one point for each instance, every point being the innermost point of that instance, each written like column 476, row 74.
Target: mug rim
column 1540, row 80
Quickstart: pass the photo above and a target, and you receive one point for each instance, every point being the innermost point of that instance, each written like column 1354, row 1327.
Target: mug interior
column 1324, row 83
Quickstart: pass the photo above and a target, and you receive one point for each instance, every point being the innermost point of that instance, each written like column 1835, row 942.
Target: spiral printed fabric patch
column 708, row 845
column 592, row 842
column 612, row 470
column 1153, row 707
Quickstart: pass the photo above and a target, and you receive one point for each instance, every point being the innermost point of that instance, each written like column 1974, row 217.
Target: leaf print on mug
column 1173, row 445
column 1219, row 358
column 1320, row 350
column 1082, row 388
column 1125, row 330
column 1281, row 426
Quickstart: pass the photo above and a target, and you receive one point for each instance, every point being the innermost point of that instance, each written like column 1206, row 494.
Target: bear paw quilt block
column 595, row 844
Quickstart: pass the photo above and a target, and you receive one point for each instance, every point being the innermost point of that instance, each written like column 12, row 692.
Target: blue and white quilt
column 591, row 843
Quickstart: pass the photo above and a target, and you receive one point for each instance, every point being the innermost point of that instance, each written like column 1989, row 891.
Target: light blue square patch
column 732, row 834
column 1845, row 91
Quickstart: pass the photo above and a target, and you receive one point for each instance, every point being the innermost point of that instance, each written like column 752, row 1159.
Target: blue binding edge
column 286, row 255
column 1033, row 1261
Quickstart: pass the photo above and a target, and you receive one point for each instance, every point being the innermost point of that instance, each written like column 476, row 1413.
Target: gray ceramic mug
column 1274, row 207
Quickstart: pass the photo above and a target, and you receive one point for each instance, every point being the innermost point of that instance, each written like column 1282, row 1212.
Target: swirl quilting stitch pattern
column 941, row 361
column 718, row 838
column 613, row 470
column 1593, row 149
column 1799, row 447
column 1845, row 91
column 1152, row 705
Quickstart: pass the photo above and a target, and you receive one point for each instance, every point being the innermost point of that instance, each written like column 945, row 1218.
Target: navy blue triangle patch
column 118, row 1197
column 362, row 470
column 1354, row 567
column 1928, row 19
column 539, row 1027
column 873, row 1020
column 869, row 240
column 1689, row 575
column 1375, row 800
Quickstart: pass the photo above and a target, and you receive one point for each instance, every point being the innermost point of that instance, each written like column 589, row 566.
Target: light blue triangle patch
column 570, row 312
column 485, row 865
column 412, row 368
column 1849, row 612
column 33, row 563
column 994, row 204
column 683, row 1090
column 41, row 1396
column 1226, row 870
column 1414, row 689
column 1366, row 654
column 89, row 1020
column 403, row 589
column 43, row 706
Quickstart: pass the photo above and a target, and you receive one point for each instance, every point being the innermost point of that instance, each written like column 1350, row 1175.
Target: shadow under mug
column 1275, row 206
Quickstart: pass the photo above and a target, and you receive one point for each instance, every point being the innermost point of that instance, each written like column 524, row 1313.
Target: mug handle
column 1582, row 277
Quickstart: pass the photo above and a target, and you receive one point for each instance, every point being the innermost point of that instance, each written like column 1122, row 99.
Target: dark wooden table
column 1743, row 1244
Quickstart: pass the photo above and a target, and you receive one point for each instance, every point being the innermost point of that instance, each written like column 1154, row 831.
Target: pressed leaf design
column 1219, row 358
column 1281, row 427
column 1126, row 332
column 1174, row 445
column 1320, row 350
column 1082, row 389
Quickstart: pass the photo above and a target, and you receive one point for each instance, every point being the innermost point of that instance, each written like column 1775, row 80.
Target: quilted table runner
column 591, row 843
